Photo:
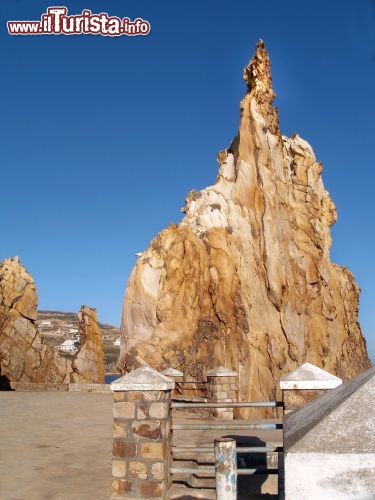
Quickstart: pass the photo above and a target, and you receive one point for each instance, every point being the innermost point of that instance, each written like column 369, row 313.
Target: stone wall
column 222, row 388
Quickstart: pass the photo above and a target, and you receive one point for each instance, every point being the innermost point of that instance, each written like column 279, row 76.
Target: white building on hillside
column 68, row 346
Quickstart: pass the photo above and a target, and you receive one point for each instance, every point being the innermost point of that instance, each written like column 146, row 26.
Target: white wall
column 321, row 476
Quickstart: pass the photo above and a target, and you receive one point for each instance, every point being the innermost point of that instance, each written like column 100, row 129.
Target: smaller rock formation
column 57, row 326
column 24, row 356
column 89, row 360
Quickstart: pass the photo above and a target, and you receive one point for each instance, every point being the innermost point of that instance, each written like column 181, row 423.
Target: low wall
column 89, row 388
column 30, row 386
column 51, row 387
column 329, row 444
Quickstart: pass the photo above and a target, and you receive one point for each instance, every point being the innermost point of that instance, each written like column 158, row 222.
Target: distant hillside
column 57, row 326
column 57, row 317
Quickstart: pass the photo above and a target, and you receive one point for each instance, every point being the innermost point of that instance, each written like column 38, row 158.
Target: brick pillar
column 305, row 384
column 142, row 435
column 222, row 388
column 176, row 376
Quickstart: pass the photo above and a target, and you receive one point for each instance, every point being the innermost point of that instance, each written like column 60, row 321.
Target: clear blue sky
column 101, row 138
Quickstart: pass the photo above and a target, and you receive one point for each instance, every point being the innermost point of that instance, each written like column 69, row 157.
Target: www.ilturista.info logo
column 56, row 22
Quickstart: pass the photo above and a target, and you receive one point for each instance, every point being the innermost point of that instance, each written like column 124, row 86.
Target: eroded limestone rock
column 24, row 356
column 245, row 280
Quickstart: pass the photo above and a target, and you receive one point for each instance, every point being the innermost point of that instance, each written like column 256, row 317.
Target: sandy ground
column 58, row 445
column 55, row 446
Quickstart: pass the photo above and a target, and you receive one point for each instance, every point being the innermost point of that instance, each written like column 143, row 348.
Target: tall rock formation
column 24, row 356
column 245, row 280
column 89, row 360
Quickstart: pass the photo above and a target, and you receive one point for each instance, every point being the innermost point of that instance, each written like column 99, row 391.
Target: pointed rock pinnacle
column 257, row 75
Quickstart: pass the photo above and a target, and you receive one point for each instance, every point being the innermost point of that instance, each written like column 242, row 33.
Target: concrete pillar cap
column 143, row 379
column 221, row 371
column 309, row 376
column 172, row 372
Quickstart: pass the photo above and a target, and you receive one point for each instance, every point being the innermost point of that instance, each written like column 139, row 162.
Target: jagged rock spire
column 245, row 280
column 259, row 96
column 257, row 74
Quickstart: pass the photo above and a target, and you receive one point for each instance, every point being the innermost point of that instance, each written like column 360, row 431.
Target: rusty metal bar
column 226, row 469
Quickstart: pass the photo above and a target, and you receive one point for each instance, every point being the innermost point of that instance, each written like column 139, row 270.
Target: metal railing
column 228, row 425
column 257, row 404
column 225, row 425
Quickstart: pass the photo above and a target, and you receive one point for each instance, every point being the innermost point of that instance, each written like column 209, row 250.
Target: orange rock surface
column 88, row 363
column 245, row 280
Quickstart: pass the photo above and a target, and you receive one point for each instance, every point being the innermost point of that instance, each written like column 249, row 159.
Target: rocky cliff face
column 24, row 356
column 245, row 280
